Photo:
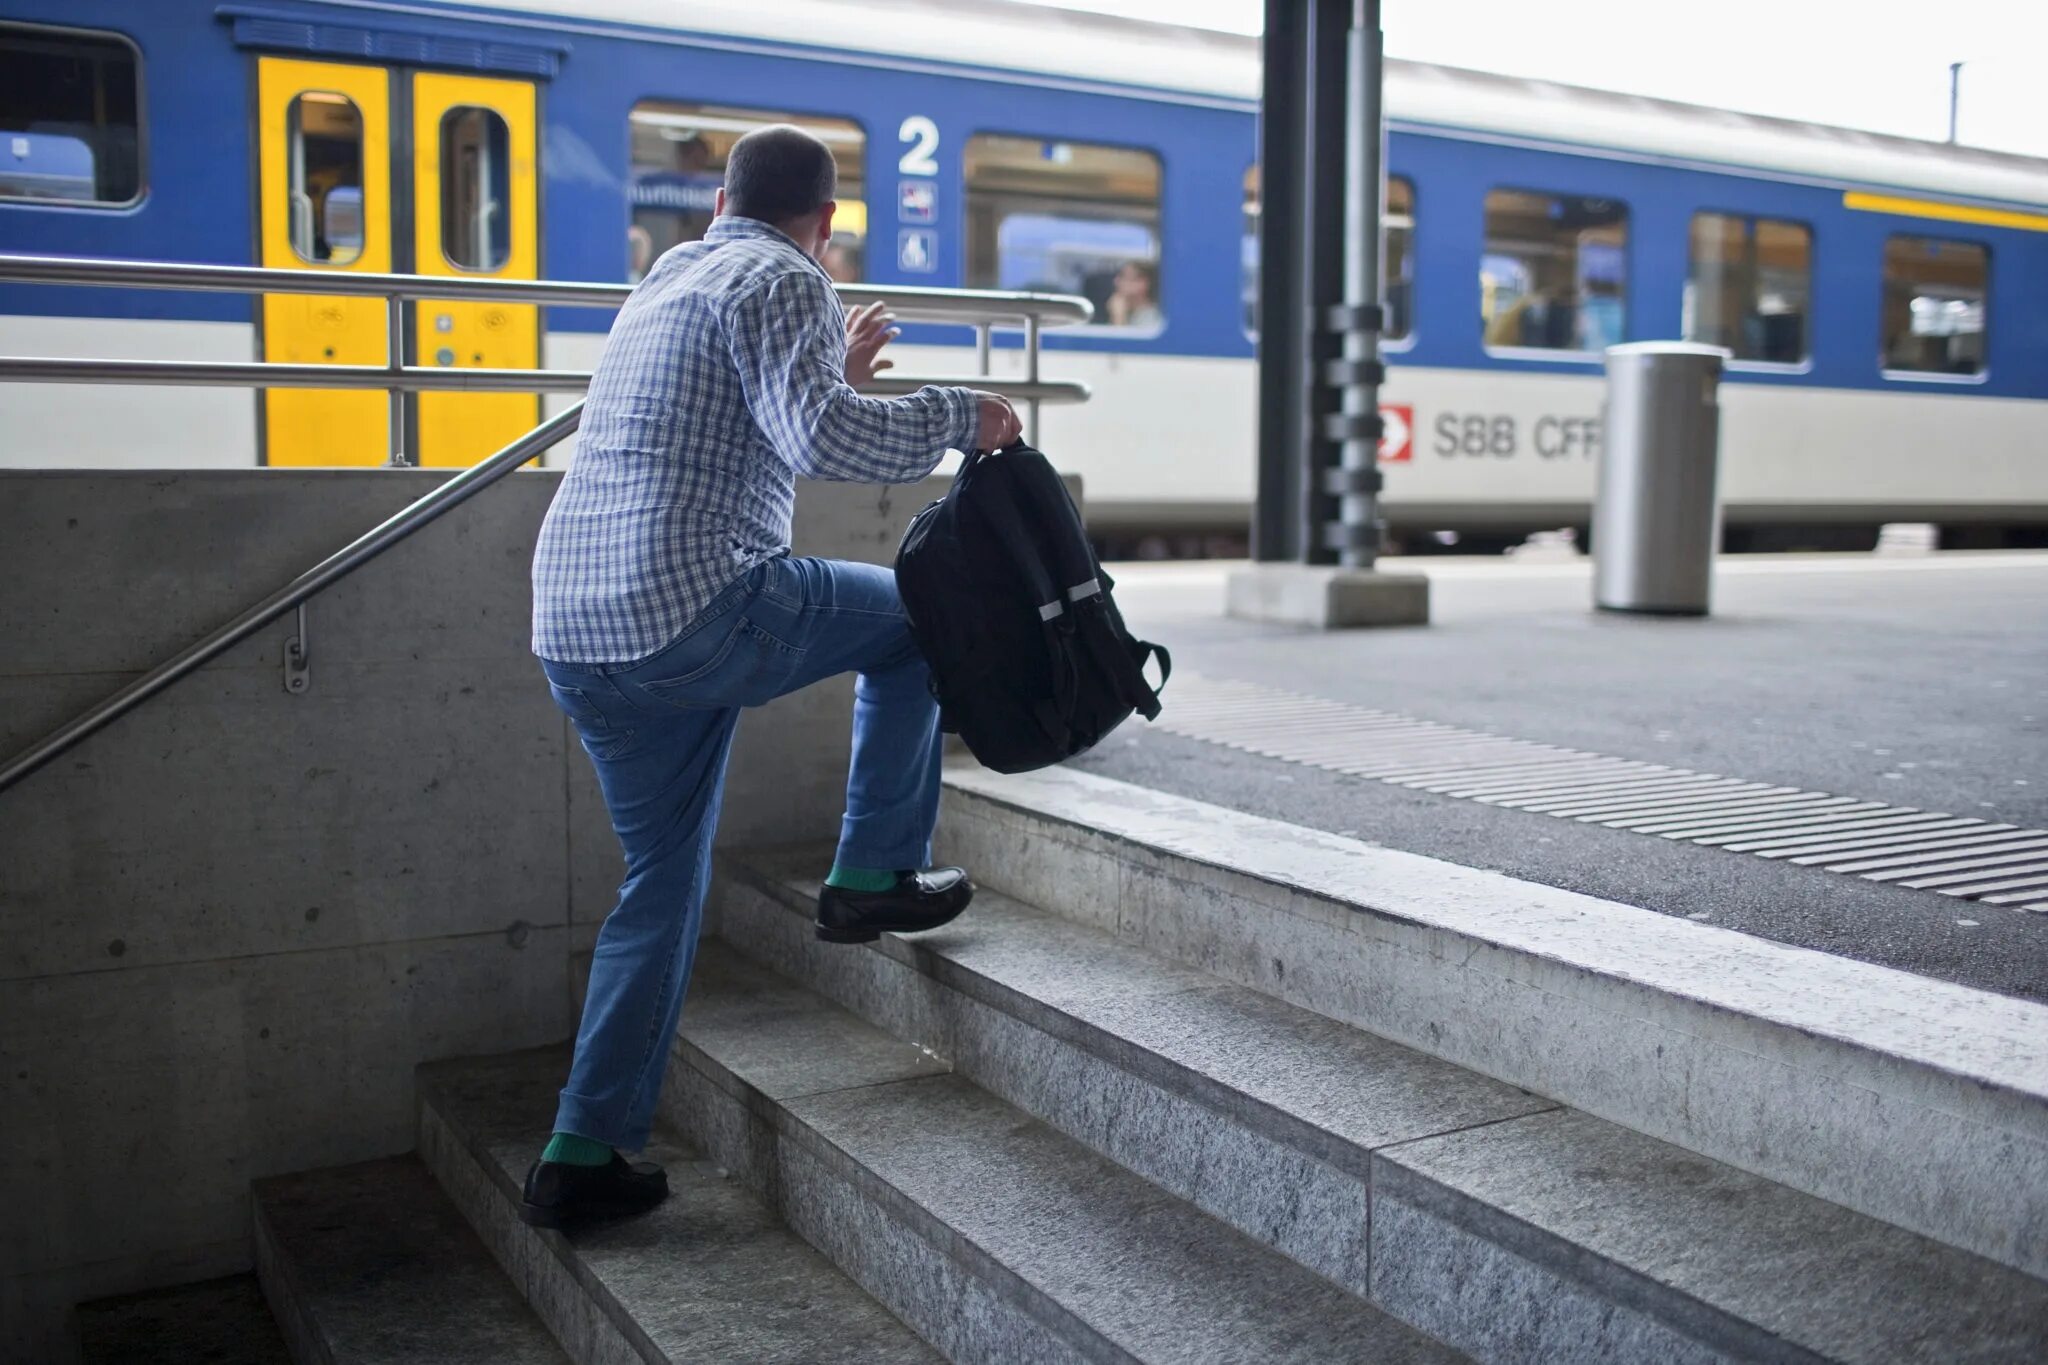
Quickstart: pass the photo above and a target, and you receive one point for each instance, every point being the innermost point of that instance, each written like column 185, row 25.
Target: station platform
column 1892, row 688
column 1259, row 1042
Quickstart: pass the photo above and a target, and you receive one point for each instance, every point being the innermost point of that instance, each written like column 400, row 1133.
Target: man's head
column 783, row 176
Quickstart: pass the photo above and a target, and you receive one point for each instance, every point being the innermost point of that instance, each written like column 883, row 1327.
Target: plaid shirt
column 723, row 379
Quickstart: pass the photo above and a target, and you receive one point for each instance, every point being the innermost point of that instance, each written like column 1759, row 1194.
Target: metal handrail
column 420, row 378
column 294, row 594
column 910, row 303
column 981, row 309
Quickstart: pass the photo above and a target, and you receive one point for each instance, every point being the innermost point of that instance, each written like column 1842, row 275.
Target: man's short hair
column 779, row 173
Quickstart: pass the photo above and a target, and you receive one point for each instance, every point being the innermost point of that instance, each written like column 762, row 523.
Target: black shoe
column 558, row 1194
column 919, row 900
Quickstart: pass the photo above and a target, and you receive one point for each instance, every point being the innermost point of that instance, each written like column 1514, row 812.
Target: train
column 1884, row 300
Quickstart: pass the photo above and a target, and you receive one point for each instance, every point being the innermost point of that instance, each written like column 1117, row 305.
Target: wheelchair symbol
column 917, row 250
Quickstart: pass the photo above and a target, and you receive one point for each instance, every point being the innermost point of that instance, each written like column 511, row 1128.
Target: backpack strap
column 1149, row 707
column 1083, row 578
column 1004, row 518
column 1127, row 675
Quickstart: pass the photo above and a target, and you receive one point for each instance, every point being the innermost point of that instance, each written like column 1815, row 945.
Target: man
column 665, row 600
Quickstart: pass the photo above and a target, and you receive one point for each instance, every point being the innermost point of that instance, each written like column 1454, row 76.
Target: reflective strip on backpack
column 1051, row 610
column 1089, row 589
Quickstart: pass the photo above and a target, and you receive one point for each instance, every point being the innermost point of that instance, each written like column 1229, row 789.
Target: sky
column 1881, row 65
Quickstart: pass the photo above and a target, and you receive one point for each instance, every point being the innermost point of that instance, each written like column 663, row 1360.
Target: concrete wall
column 231, row 924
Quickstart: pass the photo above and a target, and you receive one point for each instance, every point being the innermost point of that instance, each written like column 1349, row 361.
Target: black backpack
column 1030, row 660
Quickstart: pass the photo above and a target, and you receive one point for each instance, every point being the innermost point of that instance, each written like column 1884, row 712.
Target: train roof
column 1076, row 46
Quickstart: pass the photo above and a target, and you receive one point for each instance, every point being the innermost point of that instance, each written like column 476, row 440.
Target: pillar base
column 1327, row 597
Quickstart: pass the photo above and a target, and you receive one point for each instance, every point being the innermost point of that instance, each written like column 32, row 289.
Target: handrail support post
column 298, row 658
column 1031, row 373
column 394, row 360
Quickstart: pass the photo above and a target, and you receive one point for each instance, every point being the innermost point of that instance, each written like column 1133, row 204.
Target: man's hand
column 868, row 330
column 999, row 425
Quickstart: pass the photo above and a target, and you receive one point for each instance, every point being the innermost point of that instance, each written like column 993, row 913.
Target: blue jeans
column 659, row 731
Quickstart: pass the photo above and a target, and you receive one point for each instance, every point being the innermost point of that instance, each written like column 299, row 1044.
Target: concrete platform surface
column 1915, row 681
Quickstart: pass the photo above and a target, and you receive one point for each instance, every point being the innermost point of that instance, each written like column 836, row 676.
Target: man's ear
column 825, row 222
column 718, row 203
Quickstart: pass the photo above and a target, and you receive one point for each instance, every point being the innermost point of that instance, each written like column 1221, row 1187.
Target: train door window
column 678, row 154
column 1398, row 261
column 1749, row 286
column 476, row 176
column 324, row 133
column 1248, row 254
column 70, row 125
column 1934, row 293
column 1069, row 218
column 1554, row 275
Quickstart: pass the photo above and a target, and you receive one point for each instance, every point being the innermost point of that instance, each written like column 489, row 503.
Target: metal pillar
column 1276, row 528
column 1322, row 182
column 1356, row 482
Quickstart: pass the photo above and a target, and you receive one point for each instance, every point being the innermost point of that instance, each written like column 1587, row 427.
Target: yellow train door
column 476, row 213
column 324, row 179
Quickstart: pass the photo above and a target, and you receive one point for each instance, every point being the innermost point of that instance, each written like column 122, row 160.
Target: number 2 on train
column 924, row 133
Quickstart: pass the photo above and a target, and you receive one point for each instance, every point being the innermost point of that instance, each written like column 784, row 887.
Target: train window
column 70, row 127
column 1749, row 286
column 1554, row 275
column 1248, row 254
column 678, row 162
column 476, row 175
column 324, row 135
column 1934, row 293
column 1397, row 264
column 1067, row 217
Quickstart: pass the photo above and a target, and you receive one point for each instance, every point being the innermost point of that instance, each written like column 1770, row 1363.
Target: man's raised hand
column 868, row 330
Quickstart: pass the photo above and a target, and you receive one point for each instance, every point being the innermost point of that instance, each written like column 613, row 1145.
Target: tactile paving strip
column 1955, row 855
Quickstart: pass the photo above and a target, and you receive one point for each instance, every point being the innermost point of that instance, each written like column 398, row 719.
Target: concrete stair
column 213, row 1322
column 1508, row 1225
column 711, row 1275
column 371, row 1265
column 996, row 1236
column 1189, row 1086
column 1919, row 1103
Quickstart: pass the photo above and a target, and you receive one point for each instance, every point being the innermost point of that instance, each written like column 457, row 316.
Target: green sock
column 571, row 1150
column 859, row 879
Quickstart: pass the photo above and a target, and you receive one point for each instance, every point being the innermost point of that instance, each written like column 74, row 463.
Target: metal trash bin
column 1657, row 518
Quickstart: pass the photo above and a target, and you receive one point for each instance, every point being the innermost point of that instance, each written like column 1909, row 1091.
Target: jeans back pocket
column 751, row 667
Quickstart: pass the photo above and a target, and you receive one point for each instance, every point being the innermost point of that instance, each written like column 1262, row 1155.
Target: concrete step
column 1494, row 1219
column 213, row 1322
column 1916, row 1102
column 710, row 1275
column 998, row 1237
column 371, row 1265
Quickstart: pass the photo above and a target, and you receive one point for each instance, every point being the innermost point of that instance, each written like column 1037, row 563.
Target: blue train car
column 1883, row 298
